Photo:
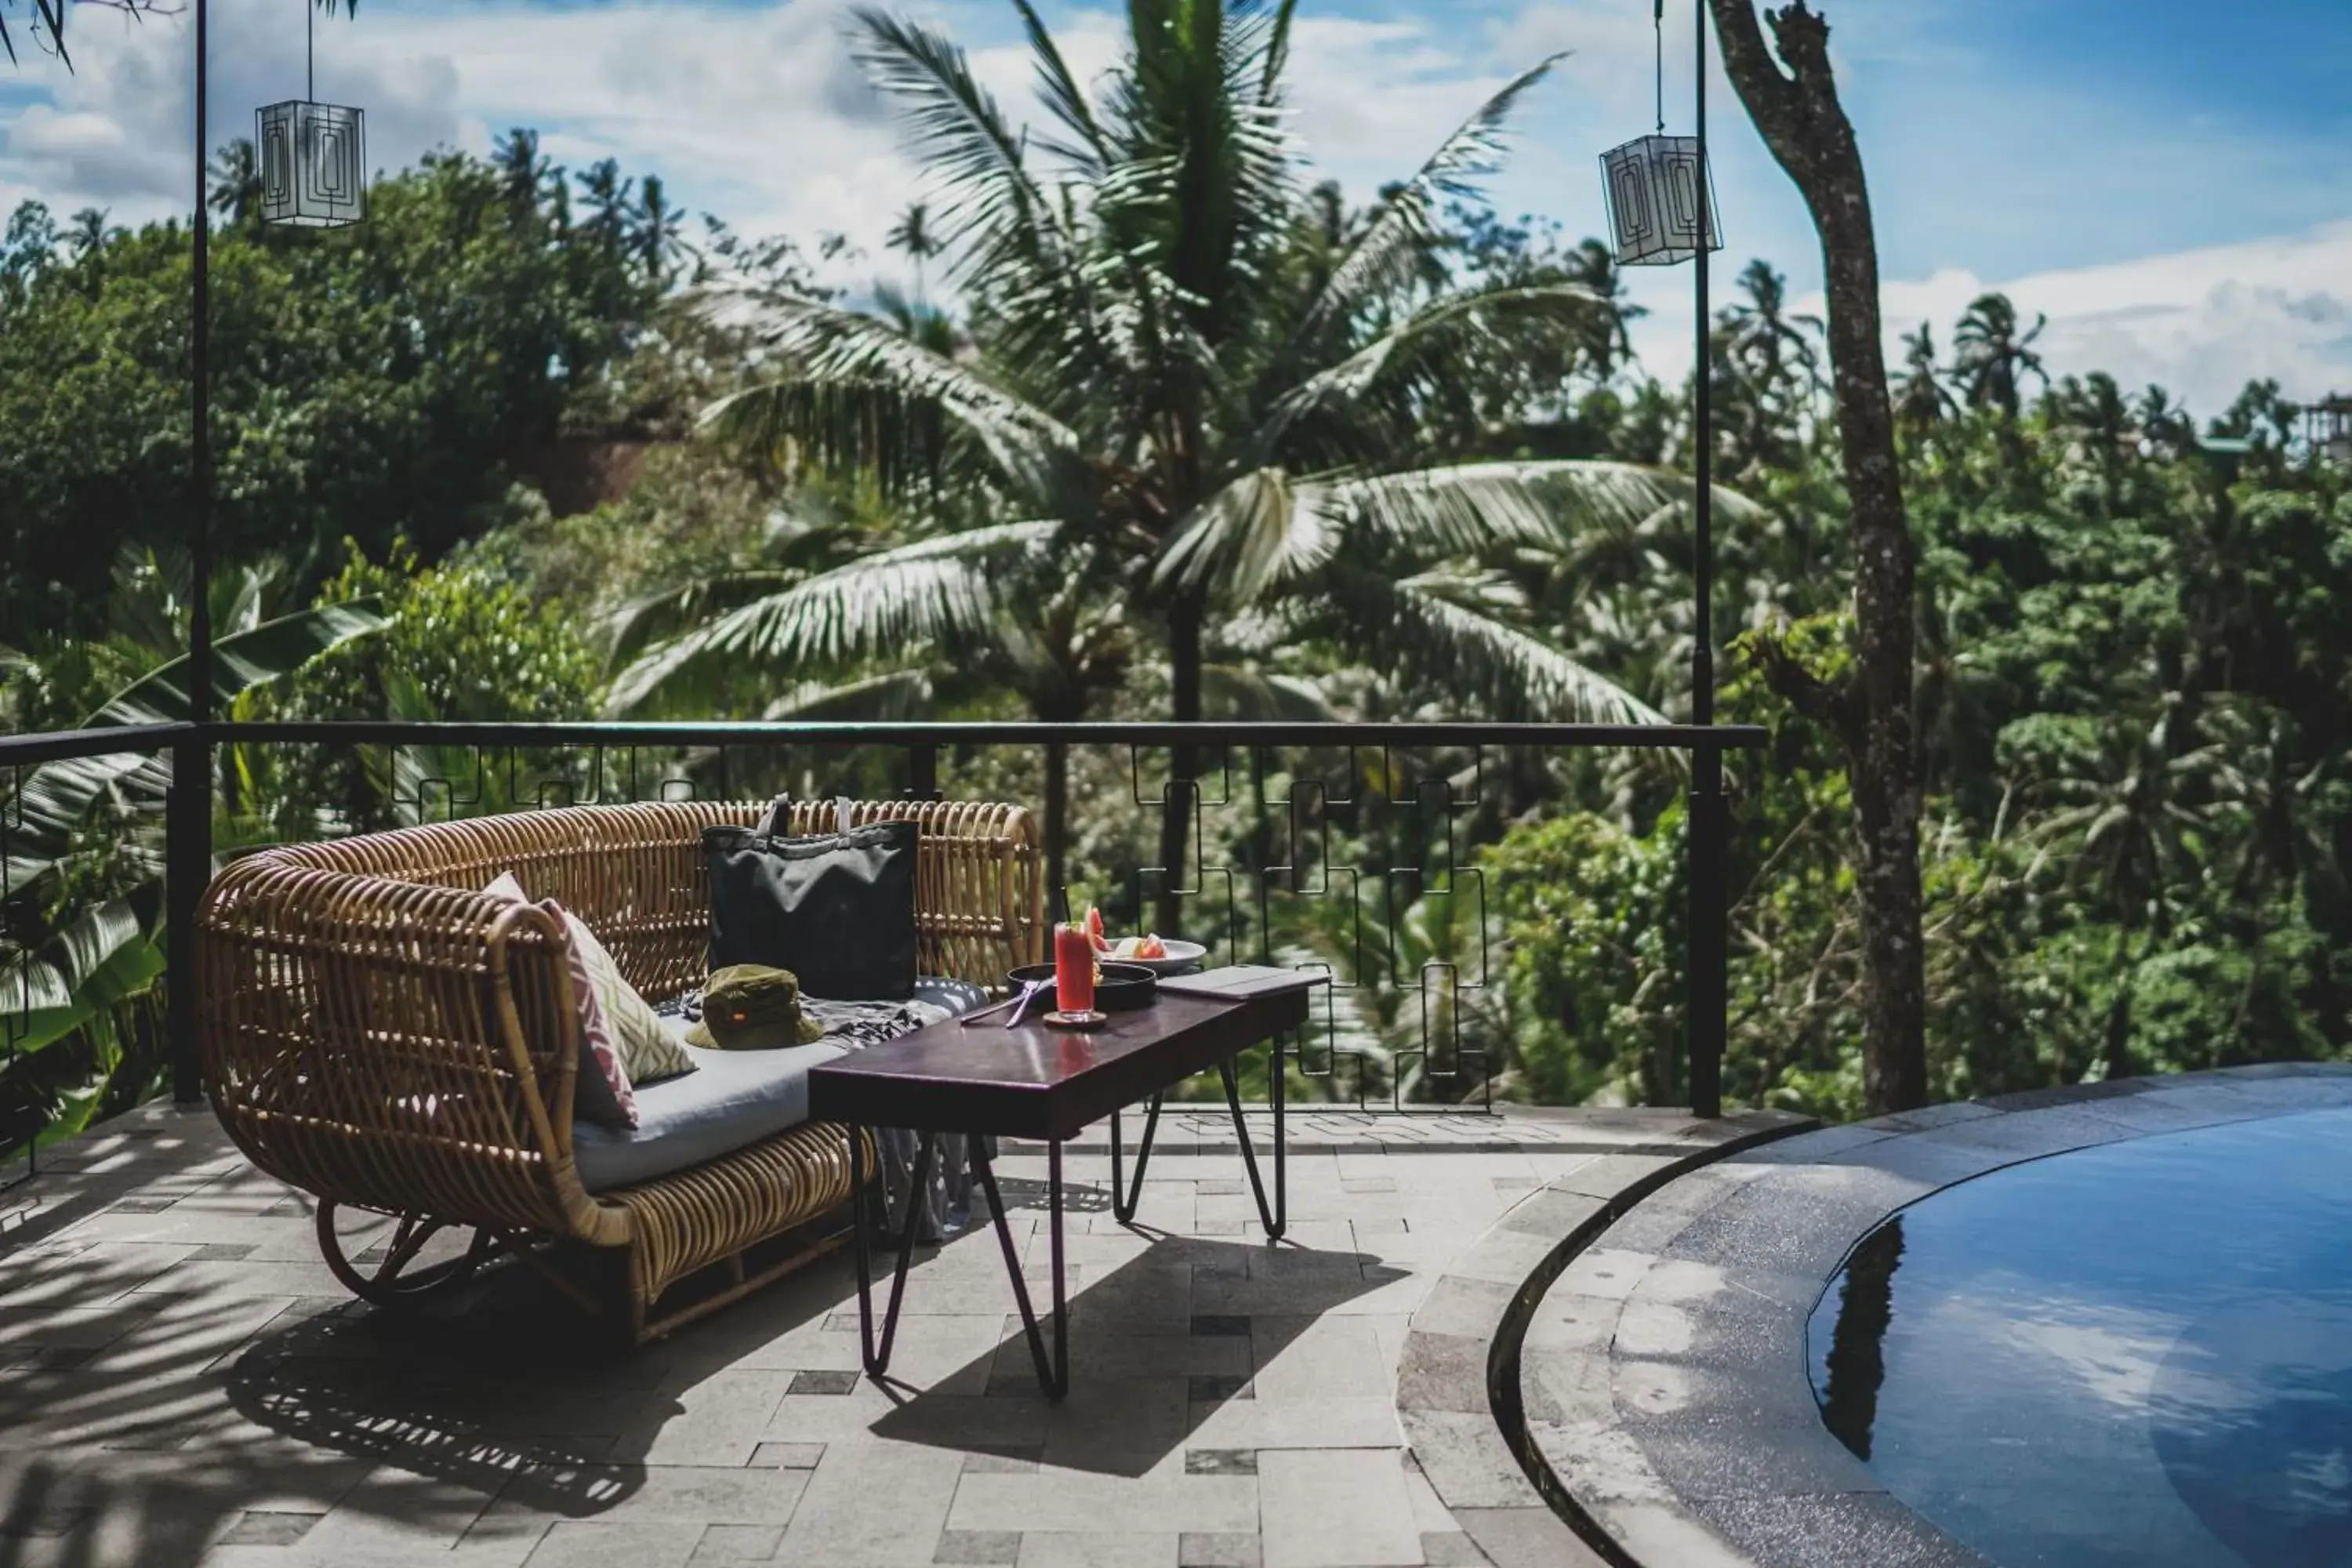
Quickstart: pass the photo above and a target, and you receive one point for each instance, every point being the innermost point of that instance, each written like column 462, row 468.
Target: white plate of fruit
column 1162, row 955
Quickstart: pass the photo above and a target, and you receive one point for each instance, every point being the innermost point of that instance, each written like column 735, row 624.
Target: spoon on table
column 1020, row 1005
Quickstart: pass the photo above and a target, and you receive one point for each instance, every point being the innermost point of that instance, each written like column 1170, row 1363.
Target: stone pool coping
column 1457, row 1379
column 1662, row 1374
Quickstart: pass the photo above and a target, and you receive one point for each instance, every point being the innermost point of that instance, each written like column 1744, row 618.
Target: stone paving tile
column 257, row 1527
column 1517, row 1537
column 1196, row 1548
column 875, row 1504
column 740, row 1543
column 978, row 1547
column 1316, row 1358
column 1066, row 1500
column 1334, row 1508
column 210, row 1343
column 603, row 1544
column 1098, row 1549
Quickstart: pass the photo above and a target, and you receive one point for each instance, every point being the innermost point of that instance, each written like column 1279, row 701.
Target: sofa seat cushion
column 731, row 1099
column 734, row 1099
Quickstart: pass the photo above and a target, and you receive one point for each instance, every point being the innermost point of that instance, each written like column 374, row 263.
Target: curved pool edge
column 1456, row 1382
column 1662, row 1372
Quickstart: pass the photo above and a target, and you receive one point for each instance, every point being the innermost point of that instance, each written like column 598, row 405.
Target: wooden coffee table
column 1045, row 1083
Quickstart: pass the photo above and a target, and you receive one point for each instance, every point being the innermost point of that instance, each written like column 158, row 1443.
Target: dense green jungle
column 1164, row 427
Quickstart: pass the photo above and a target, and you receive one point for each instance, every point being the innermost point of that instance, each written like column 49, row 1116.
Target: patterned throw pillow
column 603, row 1093
column 646, row 1048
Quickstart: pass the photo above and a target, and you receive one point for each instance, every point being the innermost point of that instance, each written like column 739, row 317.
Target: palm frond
column 893, row 602
column 894, row 695
column 857, row 388
column 1383, row 259
column 658, row 618
column 1246, row 693
column 1479, row 315
column 1454, row 623
column 1259, row 532
column 1277, row 54
column 1066, row 100
column 1476, row 506
column 1002, row 226
column 958, row 131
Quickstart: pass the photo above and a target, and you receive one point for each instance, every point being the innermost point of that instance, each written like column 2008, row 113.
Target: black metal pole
column 1709, row 821
column 188, row 815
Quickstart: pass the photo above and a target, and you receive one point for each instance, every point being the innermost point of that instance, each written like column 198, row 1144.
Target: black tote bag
column 837, row 909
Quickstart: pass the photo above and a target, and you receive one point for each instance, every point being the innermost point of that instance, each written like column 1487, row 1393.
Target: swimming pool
column 2139, row 1354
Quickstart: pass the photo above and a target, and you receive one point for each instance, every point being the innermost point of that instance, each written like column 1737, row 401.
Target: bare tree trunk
column 1793, row 100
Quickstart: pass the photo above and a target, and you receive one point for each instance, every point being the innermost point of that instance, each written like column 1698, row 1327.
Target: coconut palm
column 905, row 631
column 1595, row 265
column 1200, row 410
column 1922, row 401
column 609, row 199
column 89, row 233
column 1149, row 372
column 235, row 178
column 657, row 234
column 2134, row 821
column 914, row 237
column 1993, row 357
column 1768, row 370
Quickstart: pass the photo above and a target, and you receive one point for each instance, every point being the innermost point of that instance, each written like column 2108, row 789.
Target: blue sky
column 2167, row 180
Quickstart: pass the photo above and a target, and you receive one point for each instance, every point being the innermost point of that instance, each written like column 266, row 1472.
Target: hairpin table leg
column 1275, row 1218
column 877, row 1359
column 1054, row 1373
column 1124, row 1199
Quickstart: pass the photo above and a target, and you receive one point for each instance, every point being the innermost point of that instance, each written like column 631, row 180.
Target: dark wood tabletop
column 1037, row 1082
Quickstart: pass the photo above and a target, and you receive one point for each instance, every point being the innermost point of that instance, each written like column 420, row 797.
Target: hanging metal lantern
column 1661, row 201
column 313, row 165
column 313, row 155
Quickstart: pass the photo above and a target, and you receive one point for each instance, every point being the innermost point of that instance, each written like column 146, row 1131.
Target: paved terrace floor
column 182, row 1381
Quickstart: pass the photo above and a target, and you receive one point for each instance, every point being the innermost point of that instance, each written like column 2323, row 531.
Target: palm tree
column 523, row 175
column 1201, row 423
column 904, row 631
column 1595, row 265
column 2134, row 820
column 914, row 237
column 657, row 234
column 89, row 233
column 1922, row 401
column 1992, row 358
column 606, row 196
column 235, row 176
column 1767, row 357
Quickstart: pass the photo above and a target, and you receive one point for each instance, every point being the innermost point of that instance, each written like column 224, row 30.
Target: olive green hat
column 752, row 1008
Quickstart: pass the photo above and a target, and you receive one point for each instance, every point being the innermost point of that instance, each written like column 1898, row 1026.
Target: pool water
column 2137, row 1354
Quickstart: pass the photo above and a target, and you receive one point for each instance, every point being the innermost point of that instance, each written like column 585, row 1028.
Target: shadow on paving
column 180, row 1412
column 1134, row 1398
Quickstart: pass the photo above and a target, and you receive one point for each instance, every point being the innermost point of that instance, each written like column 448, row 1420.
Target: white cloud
column 2200, row 322
column 760, row 112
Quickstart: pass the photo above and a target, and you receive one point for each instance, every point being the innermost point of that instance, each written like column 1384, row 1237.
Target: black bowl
column 1123, row 987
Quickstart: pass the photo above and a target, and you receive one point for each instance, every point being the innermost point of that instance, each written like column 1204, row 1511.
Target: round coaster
column 1076, row 1020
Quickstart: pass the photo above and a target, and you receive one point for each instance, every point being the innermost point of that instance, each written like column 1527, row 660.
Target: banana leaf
column 242, row 662
column 54, row 799
column 101, row 958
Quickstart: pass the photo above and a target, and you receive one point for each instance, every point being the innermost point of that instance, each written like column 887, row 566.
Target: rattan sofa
column 377, row 1032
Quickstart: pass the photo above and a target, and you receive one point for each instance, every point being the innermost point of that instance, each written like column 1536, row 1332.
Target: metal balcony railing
column 1348, row 847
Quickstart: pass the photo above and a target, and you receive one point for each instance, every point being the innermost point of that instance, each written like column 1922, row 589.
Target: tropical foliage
column 1166, row 428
